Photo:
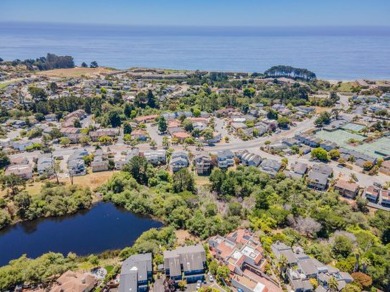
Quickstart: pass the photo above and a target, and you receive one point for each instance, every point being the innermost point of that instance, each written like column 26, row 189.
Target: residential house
column 217, row 137
column 75, row 282
column 385, row 198
column 179, row 160
column 247, row 285
column 237, row 249
column 291, row 142
column 308, row 139
column 68, row 123
column 20, row 160
column 298, row 170
column 110, row 132
column 185, row 263
column 202, row 164
column 156, row 157
column 372, row 194
column 24, row 171
column 70, row 131
column 347, row 189
column 99, row 164
column 301, row 268
column 140, row 135
column 328, row 145
column 281, row 250
column 145, row 119
column 76, row 165
column 270, row 166
column 45, row 165
column 120, row 163
column 261, row 128
column 224, row 112
column 181, row 135
column 225, row 158
column 136, row 272
column 236, row 126
column 385, row 167
column 78, row 114
column 21, row 145
column 250, row 159
column 242, row 253
column 358, row 157
column 318, row 176
column 174, row 127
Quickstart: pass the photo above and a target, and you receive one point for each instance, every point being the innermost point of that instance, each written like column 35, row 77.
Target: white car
column 211, row 279
column 198, row 284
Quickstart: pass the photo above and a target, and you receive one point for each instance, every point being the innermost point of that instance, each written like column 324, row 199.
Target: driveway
column 154, row 135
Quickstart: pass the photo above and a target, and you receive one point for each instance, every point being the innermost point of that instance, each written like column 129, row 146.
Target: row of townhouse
column 74, row 134
column 22, row 167
column 312, row 141
column 184, row 263
column 269, row 166
column 359, row 157
column 178, row 160
column 301, row 268
column 377, row 195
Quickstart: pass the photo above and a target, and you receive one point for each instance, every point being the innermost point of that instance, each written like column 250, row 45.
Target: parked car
column 198, row 284
column 211, row 278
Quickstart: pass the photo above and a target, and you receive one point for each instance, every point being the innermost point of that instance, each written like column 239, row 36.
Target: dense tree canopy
column 290, row 72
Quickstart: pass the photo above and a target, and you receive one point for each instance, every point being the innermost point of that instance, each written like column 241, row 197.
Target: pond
column 104, row 227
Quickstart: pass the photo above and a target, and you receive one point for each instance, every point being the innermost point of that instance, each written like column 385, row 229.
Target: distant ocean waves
column 332, row 53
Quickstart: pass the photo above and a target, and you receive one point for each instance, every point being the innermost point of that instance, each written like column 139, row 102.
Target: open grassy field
column 183, row 236
column 346, row 86
column 75, row 72
column 91, row 180
column 201, row 180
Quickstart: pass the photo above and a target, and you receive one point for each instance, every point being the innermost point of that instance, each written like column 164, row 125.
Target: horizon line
column 195, row 26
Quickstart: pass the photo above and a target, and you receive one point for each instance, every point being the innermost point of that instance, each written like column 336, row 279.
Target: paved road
column 256, row 143
column 364, row 180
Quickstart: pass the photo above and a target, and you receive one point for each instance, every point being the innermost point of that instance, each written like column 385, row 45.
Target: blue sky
column 201, row 12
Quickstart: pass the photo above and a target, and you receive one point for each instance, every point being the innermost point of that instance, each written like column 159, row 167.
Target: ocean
column 337, row 53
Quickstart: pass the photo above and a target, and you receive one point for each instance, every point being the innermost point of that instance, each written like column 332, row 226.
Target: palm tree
column 333, row 285
column 153, row 144
column 165, row 142
column 282, row 265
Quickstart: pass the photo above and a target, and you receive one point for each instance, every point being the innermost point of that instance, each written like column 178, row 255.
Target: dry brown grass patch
column 75, row 72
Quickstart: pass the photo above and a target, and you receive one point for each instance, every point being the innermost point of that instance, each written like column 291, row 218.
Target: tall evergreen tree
column 151, row 99
column 162, row 125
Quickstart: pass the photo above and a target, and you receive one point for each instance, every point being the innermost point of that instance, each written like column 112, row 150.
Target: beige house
column 74, row 282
